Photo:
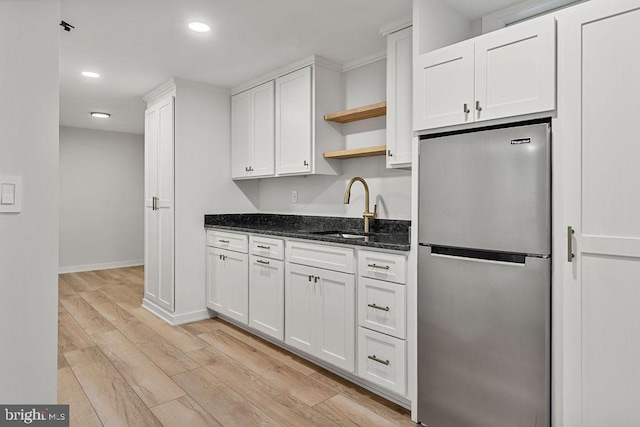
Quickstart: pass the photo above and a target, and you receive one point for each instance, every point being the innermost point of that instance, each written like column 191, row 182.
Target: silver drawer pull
column 377, row 307
column 264, row 247
column 384, row 267
column 223, row 241
column 262, row 262
column 375, row 359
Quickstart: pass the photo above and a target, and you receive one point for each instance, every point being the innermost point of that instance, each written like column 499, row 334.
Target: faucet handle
column 375, row 210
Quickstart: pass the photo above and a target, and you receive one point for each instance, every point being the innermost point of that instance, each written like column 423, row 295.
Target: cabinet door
column 515, row 70
column 241, row 134
column 236, row 283
column 263, row 134
column 444, row 87
column 399, row 98
column 335, row 319
column 293, row 123
column 216, row 296
column 300, row 307
column 159, row 216
column 266, row 296
column 598, row 97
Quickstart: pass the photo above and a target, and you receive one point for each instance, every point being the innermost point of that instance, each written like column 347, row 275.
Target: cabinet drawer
column 381, row 306
column 382, row 266
column 266, row 247
column 321, row 256
column 232, row 241
column 382, row 360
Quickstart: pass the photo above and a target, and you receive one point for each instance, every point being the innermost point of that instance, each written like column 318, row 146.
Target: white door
column 266, row 296
column 263, row 132
column 159, row 216
column 335, row 319
column 216, row 295
column 399, row 98
column 598, row 111
column 444, row 87
column 241, row 133
column 300, row 302
column 515, row 70
column 293, row 122
column 236, row 283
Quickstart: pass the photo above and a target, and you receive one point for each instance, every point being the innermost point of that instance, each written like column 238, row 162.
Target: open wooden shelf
column 360, row 113
column 378, row 150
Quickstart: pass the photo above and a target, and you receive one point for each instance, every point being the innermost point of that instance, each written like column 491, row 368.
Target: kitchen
column 589, row 241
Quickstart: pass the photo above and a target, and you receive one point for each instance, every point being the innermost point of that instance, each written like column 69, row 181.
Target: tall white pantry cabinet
column 186, row 123
column 598, row 225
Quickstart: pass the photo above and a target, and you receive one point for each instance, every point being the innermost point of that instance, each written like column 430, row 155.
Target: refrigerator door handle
column 479, row 255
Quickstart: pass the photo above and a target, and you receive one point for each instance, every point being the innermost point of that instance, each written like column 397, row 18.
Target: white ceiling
column 136, row 45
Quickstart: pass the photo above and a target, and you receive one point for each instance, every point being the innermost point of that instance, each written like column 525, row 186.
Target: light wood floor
column 119, row 365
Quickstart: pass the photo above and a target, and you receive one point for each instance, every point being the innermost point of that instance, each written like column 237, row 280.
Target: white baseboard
column 103, row 266
column 176, row 319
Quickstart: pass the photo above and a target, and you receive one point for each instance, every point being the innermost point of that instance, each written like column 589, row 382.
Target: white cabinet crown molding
column 397, row 25
column 167, row 88
column 311, row 60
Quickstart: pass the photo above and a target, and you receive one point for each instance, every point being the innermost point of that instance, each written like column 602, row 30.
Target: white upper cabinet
column 278, row 126
column 509, row 72
column 293, row 122
column 252, row 132
column 399, row 98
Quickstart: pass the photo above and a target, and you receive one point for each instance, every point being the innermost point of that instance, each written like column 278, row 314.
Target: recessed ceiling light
column 199, row 27
column 100, row 115
column 90, row 74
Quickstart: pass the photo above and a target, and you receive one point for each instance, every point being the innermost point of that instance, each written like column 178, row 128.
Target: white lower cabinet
column 228, row 283
column 382, row 307
column 305, row 294
column 266, row 296
column 320, row 312
column 382, row 360
column 382, row 319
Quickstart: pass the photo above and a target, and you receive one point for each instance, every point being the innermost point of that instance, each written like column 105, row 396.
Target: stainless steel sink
column 340, row 234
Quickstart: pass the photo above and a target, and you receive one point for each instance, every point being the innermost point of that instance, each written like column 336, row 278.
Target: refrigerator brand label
column 520, row 141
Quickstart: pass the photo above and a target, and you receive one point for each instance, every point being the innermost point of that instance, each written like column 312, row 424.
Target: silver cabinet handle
column 478, row 107
column 375, row 359
column 310, row 277
column 389, row 153
column 264, row 247
column 377, row 307
column 305, row 163
column 262, row 262
column 384, row 267
column 465, row 109
column 223, row 241
column 570, row 234
column 315, row 279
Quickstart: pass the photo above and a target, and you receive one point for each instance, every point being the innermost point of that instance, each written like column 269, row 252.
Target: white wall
column 203, row 184
column 101, row 199
column 29, row 240
column 323, row 195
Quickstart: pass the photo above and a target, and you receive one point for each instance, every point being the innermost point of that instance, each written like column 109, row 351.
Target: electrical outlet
column 294, row 196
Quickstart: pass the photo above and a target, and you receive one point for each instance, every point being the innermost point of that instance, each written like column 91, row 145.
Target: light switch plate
column 10, row 194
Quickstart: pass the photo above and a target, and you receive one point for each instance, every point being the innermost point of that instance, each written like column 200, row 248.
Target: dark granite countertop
column 384, row 233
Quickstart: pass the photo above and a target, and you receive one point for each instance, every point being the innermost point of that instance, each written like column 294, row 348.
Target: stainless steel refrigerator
column 484, row 278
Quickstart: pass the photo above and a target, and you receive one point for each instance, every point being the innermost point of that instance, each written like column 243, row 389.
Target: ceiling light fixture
column 199, row 27
column 90, row 74
column 100, row 115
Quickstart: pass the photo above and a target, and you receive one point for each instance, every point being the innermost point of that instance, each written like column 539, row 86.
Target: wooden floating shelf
column 360, row 113
column 378, row 150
